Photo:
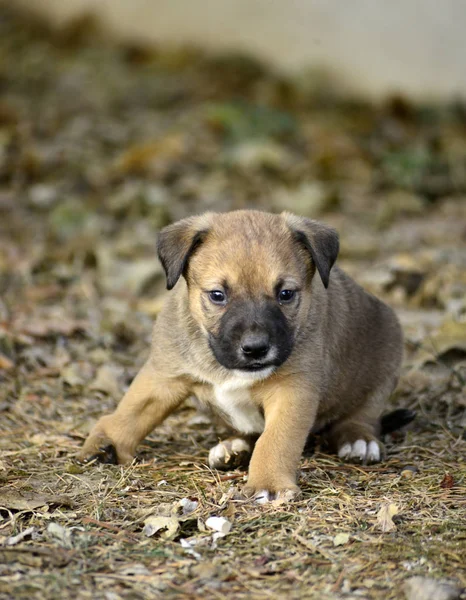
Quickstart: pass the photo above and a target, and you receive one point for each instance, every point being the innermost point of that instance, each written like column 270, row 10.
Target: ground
column 102, row 144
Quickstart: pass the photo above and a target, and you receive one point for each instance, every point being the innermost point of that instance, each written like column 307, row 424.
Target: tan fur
column 344, row 364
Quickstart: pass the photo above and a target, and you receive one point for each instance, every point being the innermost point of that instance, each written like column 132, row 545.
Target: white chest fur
column 233, row 398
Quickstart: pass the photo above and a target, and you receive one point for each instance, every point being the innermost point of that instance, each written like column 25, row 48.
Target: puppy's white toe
column 218, row 456
column 229, row 454
column 345, row 451
column 262, row 497
column 373, row 452
column 359, row 450
column 239, row 445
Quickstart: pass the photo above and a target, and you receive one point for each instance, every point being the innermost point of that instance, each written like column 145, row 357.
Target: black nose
column 255, row 345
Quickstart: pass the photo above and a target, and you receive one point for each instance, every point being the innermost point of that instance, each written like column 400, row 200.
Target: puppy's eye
column 217, row 297
column 286, row 296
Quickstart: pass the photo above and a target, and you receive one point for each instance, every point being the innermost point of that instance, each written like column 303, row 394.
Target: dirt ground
column 101, row 145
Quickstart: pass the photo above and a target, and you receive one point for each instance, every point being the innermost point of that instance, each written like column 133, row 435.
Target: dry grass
column 83, row 189
column 271, row 550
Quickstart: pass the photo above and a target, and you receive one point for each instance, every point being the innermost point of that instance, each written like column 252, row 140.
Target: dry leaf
column 126, row 276
column 168, row 526
column 73, row 375
column 450, row 338
column 106, row 381
column 35, row 556
column 60, row 533
column 49, row 327
column 31, row 500
column 341, row 539
column 385, row 517
column 16, row 501
column 141, row 158
column 423, row 588
column 447, row 482
column 188, row 506
column 5, row 363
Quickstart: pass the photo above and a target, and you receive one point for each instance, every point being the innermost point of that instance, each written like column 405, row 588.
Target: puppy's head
column 248, row 275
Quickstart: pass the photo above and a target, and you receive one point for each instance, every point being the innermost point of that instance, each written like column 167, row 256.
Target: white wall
column 374, row 46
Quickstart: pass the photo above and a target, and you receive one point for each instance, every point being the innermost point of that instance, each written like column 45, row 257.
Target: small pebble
column 219, row 524
column 409, row 471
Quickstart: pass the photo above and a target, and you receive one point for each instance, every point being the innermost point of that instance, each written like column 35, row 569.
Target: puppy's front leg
column 290, row 412
column 148, row 401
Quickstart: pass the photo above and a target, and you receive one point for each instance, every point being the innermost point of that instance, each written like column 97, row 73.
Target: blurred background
column 374, row 48
column 118, row 117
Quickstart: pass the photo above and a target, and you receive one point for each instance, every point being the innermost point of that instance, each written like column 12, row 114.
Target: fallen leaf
column 309, row 199
column 255, row 154
column 341, row 539
column 5, row 363
column 448, row 341
column 145, row 157
column 106, row 381
column 73, row 375
column 44, row 328
column 168, row 526
column 35, row 556
column 447, row 482
column 188, row 506
column 61, row 534
column 117, row 275
column 240, row 121
column 424, row 588
column 15, row 501
column 31, row 500
column 385, row 517
column 71, row 218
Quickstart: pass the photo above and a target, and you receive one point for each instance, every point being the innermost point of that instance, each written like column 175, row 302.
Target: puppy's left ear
column 320, row 240
column 177, row 242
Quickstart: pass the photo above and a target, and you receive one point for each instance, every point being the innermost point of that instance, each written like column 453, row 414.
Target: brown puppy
column 261, row 328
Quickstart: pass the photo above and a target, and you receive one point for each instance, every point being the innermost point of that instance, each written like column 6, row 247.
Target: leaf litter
column 86, row 181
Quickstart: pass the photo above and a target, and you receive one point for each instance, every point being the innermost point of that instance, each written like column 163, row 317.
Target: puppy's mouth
column 255, row 367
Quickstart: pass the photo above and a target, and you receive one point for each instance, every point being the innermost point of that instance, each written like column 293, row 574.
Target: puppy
column 263, row 328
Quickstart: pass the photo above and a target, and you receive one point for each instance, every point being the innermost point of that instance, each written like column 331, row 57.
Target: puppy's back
column 362, row 338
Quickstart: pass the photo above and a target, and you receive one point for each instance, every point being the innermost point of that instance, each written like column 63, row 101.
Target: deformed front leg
column 289, row 412
column 148, row 401
column 232, row 453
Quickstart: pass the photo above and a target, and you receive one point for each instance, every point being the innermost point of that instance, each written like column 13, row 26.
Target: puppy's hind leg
column 356, row 438
column 149, row 400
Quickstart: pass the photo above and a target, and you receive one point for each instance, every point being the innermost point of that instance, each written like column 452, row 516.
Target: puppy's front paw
column 106, row 455
column 264, row 496
column 361, row 451
column 230, row 454
column 101, row 445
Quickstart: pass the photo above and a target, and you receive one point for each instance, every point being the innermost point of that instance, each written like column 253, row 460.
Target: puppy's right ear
column 177, row 242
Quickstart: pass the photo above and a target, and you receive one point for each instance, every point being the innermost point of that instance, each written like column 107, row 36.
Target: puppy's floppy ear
column 177, row 242
column 320, row 240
